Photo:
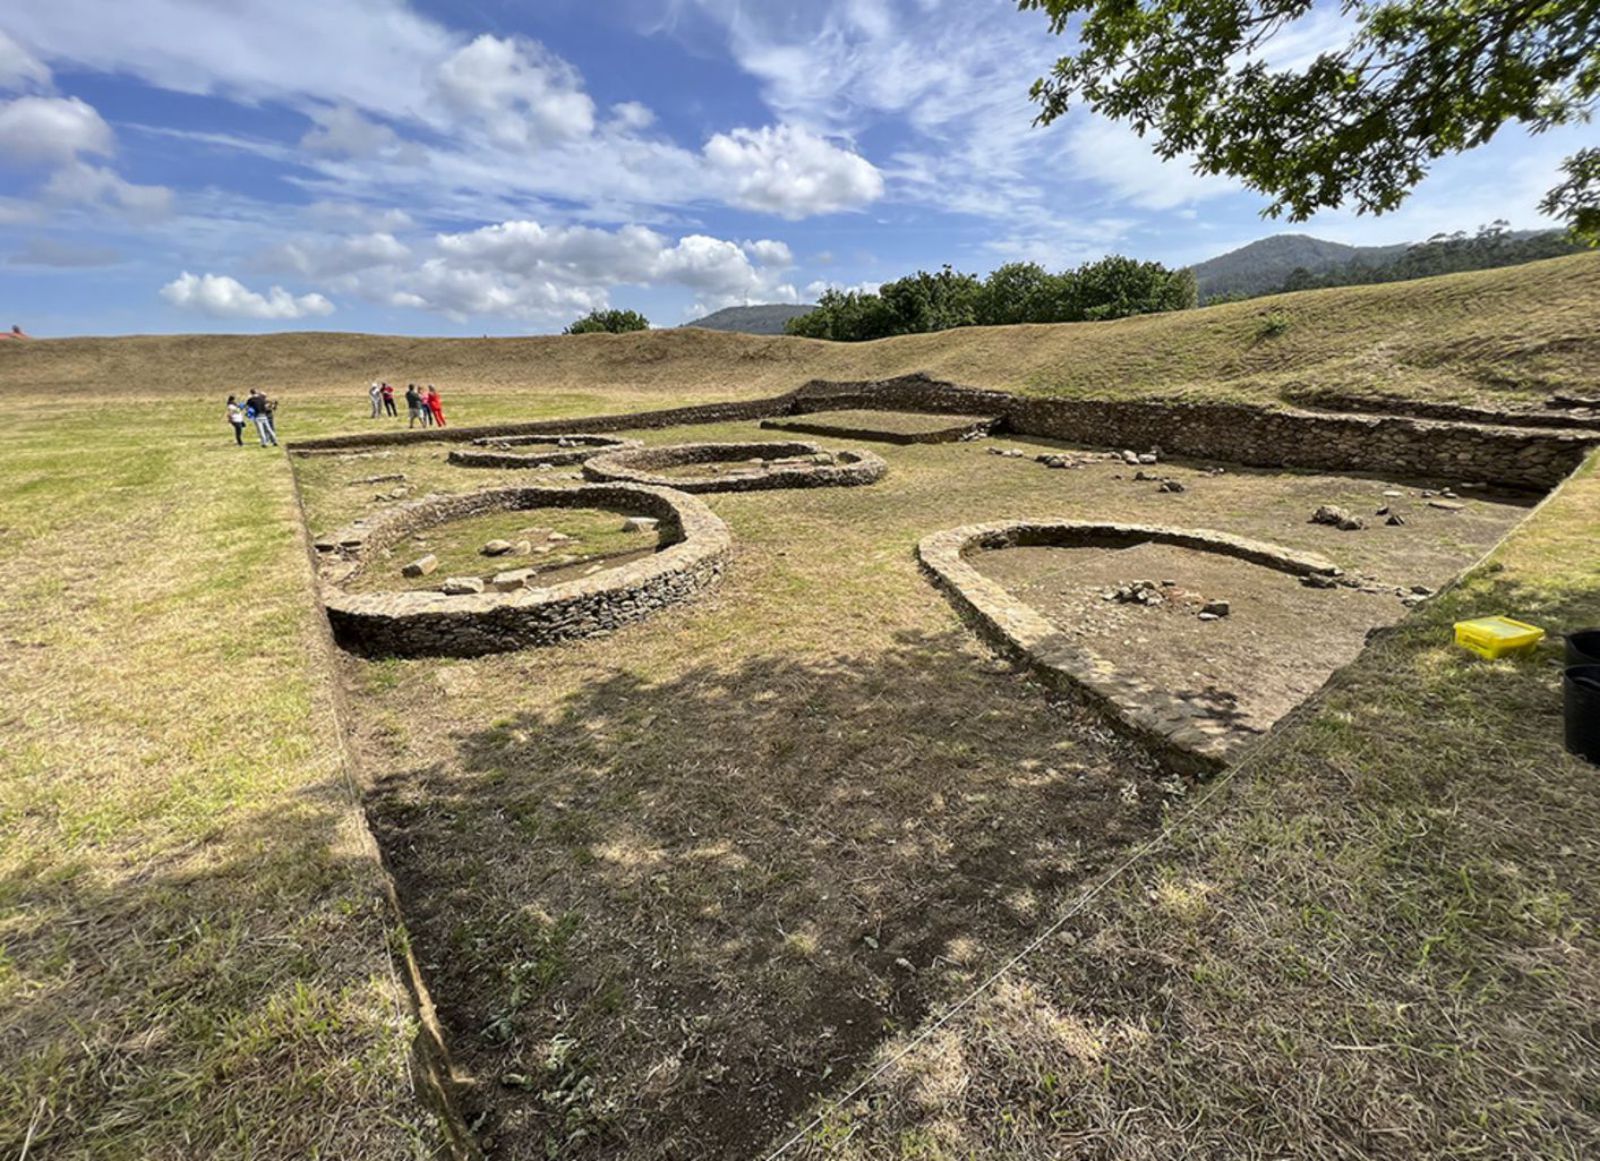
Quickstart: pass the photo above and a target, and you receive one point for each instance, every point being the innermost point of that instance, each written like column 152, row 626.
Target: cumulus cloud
column 219, row 296
column 791, row 172
column 527, row 270
column 324, row 258
column 19, row 69
column 767, row 252
column 523, row 95
column 51, row 130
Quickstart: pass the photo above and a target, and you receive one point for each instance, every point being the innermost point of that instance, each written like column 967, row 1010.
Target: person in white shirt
column 236, row 417
column 375, row 392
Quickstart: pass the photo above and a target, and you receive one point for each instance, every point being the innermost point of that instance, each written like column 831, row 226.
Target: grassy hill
column 1495, row 337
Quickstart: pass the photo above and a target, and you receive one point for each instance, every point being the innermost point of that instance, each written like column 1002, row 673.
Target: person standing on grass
column 435, row 405
column 236, row 417
column 375, row 393
column 388, row 401
column 260, row 410
column 414, row 406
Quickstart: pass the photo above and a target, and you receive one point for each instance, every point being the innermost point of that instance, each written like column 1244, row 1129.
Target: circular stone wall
column 1156, row 716
column 419, row 624
column 812, row 466
column 569, row 449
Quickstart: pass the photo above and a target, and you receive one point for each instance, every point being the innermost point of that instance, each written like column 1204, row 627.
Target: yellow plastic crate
column 1493, row 637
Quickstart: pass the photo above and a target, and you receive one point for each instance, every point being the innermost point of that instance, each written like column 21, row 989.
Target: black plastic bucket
column 1580, row 695
column 1583, row 647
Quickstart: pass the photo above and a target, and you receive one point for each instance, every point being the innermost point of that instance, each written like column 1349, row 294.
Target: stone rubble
column 1333, row 515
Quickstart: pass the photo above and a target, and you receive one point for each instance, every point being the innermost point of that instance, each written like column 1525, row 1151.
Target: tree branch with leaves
column 1361, row 123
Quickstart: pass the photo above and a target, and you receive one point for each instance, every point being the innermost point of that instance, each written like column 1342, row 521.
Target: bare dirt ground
column 670, row 884
column 1276, row 646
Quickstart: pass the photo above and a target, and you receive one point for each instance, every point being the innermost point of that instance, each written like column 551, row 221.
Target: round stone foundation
column 1184, row 737
column 748, row 466
column 499, row 451
column 695, row 549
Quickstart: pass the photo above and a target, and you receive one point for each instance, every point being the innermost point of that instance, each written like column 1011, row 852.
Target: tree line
column 1020, row 292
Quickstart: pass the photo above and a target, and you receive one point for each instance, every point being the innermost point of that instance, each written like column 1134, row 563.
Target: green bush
column 613, row 322
column 1273, row 323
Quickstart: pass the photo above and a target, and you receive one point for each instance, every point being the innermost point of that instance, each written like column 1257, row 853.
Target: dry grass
column 1368, row 948
column 670, row 883
column 193, row 935
column 1377, row 941
column 1491, row 337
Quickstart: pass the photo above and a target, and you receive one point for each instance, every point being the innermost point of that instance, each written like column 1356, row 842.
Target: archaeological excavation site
column 743, row 757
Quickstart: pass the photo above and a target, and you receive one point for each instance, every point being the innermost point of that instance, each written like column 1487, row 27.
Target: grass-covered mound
column 1494, row 337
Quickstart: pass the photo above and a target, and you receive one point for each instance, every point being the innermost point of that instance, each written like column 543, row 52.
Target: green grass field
column 1375, row 939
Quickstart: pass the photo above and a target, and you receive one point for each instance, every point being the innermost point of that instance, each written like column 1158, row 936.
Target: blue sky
column 504, row 166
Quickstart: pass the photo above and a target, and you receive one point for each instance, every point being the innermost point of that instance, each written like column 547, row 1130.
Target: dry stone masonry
column 1499, row 454
column 1172, row 726
column 749, row 466
column 467, row 621
column 571, row 448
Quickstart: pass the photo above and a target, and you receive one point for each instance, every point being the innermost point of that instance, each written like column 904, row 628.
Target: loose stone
column 517, row 578
column 458, row 586
column 496, row 548
column 422, row 566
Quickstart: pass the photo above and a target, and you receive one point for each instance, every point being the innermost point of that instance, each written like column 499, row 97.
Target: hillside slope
column 753, row 320
column 1263, row 265
column 1494, row 337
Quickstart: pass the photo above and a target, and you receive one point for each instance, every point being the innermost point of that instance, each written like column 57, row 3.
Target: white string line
column 1337, row 681
column 1138, row 853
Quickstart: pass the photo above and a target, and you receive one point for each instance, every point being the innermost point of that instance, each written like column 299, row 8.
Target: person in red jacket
column 435, row 405
column 388, row 400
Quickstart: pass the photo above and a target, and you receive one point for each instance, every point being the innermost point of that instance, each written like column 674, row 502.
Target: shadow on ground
column 662, row 918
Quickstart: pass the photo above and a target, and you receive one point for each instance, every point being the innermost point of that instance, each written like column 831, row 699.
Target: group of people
column 423, row 404
column 256, row 409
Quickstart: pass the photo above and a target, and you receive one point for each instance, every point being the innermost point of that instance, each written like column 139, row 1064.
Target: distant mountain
column 753, row 320
column 1264, row 266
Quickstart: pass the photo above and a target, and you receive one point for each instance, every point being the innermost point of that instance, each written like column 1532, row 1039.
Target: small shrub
column 1273, row 323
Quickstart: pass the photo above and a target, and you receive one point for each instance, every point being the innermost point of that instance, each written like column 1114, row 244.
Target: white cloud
column 51, row 130
column 48, row 252
column 18, row 67
column 325, row 258
column 370, row 54
column 522, row 94
column 460, row 292
column 341, row 131
column 1117, row 157
column 633, row 116
column 376, row 219
column 219, row 296
column 792, row 172
column 767, row 252
column 526, row 270
column 815, row 290
column 98, row 186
